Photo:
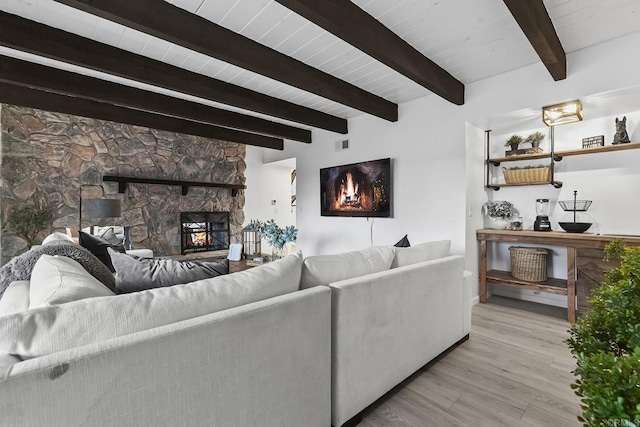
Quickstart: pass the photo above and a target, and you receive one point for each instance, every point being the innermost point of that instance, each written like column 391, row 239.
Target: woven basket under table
column 528, row 264
column 527, row 176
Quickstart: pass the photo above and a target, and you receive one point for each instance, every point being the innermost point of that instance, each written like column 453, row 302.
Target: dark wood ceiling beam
column 29, row 36
column 28, row 74
column 168, row 22
column 350, row 23
column 533, row 19
column 35, row 98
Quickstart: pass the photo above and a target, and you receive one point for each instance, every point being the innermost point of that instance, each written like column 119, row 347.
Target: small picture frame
column 235, row 252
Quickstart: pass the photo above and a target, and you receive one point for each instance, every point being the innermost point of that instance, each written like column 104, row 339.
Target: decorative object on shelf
column 27, row 222
column 527, row 174
column 251, row 241
column 516, row 224
column 605, row 344
column 563, row 113
column 534, row 139
column 528, row 264
column 593, row 141
column 621, row 136
column 275, row 235
column 514, row 141
column 542, row 222
column 575, row 206
column 499, row 213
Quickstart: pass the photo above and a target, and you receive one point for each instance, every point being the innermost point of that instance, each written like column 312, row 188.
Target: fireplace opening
column 204, row 231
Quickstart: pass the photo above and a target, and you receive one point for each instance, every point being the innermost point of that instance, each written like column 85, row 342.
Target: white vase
column 496, row 223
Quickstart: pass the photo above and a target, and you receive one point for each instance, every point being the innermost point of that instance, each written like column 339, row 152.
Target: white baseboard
column 475, row 300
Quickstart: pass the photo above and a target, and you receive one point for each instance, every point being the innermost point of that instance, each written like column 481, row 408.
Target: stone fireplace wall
column 47, row 157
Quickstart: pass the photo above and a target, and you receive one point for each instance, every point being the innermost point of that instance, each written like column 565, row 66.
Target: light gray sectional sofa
column 290, row 343
column 393, row 311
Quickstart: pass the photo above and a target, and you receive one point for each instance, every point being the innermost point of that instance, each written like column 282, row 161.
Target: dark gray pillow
column 137, row 274
column 20, row 267
column 98, row 247
column 403, row 243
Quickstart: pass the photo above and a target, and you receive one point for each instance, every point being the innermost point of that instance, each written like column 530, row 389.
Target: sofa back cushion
column 55, row 328
column 326, row 269
column 422, row 252
column 58, row 279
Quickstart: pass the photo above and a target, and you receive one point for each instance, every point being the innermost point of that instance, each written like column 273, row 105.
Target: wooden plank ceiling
column 260, row 68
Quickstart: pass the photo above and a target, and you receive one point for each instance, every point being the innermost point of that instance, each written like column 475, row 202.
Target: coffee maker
column 542, row 222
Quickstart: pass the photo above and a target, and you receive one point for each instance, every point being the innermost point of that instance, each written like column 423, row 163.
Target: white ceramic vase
column 496, row 223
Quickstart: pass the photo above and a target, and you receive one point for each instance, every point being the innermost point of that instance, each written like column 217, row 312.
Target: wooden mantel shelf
column 124, row 180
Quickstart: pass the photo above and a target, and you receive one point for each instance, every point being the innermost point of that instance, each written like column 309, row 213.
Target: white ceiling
column 471, row 39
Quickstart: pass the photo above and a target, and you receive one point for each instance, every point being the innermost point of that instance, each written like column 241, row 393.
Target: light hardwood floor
column 514, row 371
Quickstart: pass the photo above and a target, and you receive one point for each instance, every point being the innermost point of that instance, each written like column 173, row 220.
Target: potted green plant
column 514, row 141
column 534, row 139
column 26, row 222
column 606, row 345
column 275, row 235
column 499, row 213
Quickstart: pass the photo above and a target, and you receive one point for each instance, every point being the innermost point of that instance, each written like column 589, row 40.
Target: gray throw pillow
column 137, row 274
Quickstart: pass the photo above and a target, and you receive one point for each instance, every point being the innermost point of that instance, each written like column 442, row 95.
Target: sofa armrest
column 387, row 325
column 261, row 364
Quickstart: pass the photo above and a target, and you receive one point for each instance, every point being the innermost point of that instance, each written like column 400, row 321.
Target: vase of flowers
column 499, row 214
column 275, row 235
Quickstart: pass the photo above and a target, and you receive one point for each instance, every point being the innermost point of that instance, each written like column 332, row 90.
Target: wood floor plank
column 515, row 370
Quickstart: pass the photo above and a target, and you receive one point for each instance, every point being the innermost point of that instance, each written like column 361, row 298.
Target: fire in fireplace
column 204, row 231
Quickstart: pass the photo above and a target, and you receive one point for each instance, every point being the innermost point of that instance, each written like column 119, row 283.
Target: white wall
column 438, row 150
column 267, row 182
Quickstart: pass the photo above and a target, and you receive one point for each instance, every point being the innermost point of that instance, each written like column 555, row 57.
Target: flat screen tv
column 359, row 189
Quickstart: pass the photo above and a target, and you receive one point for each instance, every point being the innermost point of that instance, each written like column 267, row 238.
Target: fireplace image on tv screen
column 359, row 189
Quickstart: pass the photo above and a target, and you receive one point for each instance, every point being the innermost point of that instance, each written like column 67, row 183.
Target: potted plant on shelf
column 606, row 345
column 514, row 141
column 499, row 213
column 534, row 139
column 275, row 235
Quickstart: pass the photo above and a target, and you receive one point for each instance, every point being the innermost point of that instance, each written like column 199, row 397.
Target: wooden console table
column 572, row 241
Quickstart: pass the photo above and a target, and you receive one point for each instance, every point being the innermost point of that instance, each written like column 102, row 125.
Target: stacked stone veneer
column 46, row 157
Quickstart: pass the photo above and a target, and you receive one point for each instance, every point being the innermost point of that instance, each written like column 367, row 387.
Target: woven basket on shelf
column 527, row 176
column 528, row 264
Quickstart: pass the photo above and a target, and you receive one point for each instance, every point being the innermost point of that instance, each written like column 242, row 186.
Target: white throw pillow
column 57, row 236
column 51, row 329
column 15, row 298
column 58, row 280
column 326, row 269
column 421, row 252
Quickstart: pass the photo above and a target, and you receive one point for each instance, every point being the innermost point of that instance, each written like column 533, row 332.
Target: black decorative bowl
column 575, row 227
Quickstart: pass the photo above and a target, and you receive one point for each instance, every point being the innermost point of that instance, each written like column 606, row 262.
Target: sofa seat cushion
column 422, row 252
column 326, row 269
column 137, row 274
column 58, row 280
column 15, row 298
column 55, row 328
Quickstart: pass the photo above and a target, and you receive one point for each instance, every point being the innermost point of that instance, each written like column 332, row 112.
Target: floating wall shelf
column 123, row 181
